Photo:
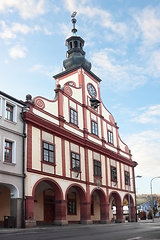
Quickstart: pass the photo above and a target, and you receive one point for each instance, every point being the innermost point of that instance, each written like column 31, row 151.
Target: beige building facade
column 77, row 166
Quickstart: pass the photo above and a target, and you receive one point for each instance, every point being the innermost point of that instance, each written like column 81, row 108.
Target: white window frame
column 13, row 150
column 14, row 111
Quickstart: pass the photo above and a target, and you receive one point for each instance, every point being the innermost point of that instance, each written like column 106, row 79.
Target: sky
column 122, row 41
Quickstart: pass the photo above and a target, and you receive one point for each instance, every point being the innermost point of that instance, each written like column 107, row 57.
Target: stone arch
column 47, row 204
column 131, row 208
column 79, row 189
column 53, row 184
column 10, row 203
column 99, row 206
column 78, row 204
column 115, row 204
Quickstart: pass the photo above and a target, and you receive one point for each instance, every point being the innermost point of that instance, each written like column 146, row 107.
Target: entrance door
column 49, row 209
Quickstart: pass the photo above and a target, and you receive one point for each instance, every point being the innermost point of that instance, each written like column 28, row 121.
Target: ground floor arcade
column 60, row 204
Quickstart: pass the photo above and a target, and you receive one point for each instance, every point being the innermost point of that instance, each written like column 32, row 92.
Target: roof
column 12, row 98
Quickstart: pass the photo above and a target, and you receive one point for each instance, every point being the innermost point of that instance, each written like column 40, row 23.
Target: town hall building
column 77, row 166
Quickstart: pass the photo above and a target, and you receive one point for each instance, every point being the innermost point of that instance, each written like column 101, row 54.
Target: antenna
column 74, row 30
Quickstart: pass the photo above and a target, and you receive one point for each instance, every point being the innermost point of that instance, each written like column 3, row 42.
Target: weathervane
column 74, row 30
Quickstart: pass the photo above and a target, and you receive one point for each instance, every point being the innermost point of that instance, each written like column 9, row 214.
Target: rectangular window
column 113, row 174
column 94, row 129
column 8, row 151
column 9, row 112
column 110, row 137
column 73, row 116
column 72, row 203
column 75, row 161
column 97, row 168
column 127, row 178
column 48, row 152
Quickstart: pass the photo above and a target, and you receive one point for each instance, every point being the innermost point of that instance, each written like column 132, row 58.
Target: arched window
column 75, row 44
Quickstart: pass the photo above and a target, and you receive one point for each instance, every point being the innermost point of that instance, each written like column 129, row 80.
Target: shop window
column 72, row 203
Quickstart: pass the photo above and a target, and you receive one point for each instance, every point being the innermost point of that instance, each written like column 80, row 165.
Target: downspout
column 23, row 165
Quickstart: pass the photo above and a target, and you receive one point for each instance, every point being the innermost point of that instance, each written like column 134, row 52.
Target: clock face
column 91, row 90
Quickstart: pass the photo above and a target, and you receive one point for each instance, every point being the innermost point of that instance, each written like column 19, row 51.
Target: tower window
column 75, row 44
column 70, row 44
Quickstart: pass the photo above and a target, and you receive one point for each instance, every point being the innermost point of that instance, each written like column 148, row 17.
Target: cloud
column 45, row 70
column 153, row 66
column 120, row 75
column 149, row 115
column 148, row 21
column 27, row 9
column 145, row 150
column 11, row 32
column 17, row 52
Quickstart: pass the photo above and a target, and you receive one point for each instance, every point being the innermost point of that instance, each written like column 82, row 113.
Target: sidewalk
column 5, row 230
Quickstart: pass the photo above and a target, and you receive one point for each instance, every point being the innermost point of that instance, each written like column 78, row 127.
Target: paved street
column 125, row 231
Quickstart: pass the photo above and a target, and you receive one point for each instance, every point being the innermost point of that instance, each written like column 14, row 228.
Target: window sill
column 49, row 163
column 115, row 181
column 9, row 121
column 74, row 125
column 11, row 164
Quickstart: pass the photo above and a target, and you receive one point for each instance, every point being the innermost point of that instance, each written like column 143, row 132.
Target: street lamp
column 129, row 200
column 151, row 196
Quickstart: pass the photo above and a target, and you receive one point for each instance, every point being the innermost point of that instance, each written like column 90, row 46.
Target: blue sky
column 122, row 41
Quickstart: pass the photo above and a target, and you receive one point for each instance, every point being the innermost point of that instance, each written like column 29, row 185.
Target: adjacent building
column 12, row 160
column 77, row 166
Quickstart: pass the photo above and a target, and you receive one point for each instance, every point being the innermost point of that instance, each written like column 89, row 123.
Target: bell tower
column 75, row 54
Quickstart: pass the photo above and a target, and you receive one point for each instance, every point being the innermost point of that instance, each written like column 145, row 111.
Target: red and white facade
column 77, row 166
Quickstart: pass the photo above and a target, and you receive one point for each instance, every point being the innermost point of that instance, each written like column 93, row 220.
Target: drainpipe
column 24, row 109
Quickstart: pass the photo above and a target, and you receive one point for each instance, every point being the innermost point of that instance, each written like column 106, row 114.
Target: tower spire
column 75, row 54
column 74, row 30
